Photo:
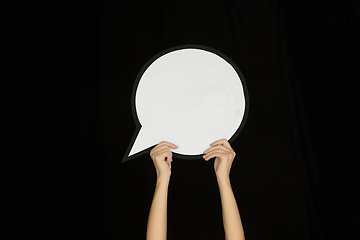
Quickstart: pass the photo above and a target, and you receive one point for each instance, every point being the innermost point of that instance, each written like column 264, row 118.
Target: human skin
column 162, row 158
column 224, row 156
column 157, row 222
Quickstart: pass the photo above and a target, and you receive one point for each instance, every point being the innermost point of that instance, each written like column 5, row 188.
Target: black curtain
column 67, row 83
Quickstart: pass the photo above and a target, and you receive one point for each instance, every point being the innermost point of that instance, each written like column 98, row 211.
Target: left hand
column 224, row 156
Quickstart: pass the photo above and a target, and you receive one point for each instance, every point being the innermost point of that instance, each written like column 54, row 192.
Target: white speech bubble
column 190, row 97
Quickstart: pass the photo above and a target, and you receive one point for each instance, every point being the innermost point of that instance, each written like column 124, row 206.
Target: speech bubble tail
column 140, row 144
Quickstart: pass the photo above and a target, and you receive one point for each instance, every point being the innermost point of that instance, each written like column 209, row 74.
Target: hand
column 162, row 158
column 224, row 156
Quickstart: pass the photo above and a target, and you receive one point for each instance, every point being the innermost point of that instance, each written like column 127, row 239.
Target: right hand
column 162, row 158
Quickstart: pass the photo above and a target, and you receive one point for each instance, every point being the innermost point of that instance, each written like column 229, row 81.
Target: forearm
column 231, row 217
column 157, row 222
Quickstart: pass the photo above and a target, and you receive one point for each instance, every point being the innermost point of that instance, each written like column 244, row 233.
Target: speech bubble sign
column 191, row 96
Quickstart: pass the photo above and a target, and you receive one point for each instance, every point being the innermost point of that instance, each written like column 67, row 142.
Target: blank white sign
column 189, row 97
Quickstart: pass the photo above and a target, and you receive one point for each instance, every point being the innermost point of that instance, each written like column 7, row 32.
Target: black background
column 66, row 87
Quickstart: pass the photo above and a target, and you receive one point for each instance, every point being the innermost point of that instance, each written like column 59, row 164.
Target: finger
column 162, row 154
column 212, row 155
column 224, row 151
column 217, row 153
column 216, row 148
column 222, row 142
column 170, row 145
column 160, row 147
column 168, row 161
column 206, row 156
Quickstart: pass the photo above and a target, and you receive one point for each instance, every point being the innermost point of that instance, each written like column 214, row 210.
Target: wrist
column 222, row 179
column 162, row 178
column 222, row 175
